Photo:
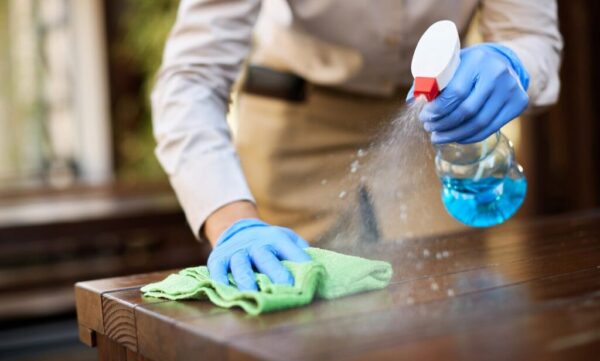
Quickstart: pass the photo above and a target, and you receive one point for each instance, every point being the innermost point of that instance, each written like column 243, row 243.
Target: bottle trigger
column 426, row 86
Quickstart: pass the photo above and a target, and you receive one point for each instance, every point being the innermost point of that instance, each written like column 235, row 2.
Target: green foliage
column 141, row 32
column 147, row 24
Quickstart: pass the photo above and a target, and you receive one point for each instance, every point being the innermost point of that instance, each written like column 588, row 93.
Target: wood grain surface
column 520, row 291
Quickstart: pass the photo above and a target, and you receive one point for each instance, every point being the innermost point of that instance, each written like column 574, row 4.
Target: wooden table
column 520, row 291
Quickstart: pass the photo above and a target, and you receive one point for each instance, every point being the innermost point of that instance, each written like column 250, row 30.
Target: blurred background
column 82, row 195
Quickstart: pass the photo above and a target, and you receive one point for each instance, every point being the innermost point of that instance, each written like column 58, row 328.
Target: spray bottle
column 482, row 185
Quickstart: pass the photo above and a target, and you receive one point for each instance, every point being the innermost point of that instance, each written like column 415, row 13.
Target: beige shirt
column 364, row 46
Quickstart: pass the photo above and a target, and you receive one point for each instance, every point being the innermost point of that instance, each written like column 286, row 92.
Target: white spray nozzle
column 436, row 59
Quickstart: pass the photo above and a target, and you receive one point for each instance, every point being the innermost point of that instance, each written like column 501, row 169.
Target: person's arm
column 530, row 29
column 202, row 58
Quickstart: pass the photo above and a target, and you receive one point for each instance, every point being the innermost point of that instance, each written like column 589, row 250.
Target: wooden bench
column 48, row 241
column 517, row 292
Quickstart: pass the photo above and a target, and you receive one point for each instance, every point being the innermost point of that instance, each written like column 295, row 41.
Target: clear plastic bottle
column 482, row 185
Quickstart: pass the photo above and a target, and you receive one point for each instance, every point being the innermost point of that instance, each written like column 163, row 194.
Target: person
column 323, row 77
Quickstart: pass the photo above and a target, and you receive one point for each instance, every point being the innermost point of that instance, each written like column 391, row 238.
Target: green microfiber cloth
column 329, row 275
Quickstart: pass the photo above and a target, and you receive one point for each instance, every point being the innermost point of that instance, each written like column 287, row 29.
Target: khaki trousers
column 304, row 163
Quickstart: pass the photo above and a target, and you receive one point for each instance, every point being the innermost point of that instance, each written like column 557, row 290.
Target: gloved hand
column 250, row 242
column 488, row 90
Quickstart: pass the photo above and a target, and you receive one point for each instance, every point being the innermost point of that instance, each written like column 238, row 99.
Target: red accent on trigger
column 427, row 87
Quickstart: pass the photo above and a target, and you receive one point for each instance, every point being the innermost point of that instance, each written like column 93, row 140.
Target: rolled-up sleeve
column 530, row 29
column 202, row 58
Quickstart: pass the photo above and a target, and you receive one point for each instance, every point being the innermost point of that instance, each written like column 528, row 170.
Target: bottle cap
column 436, row 59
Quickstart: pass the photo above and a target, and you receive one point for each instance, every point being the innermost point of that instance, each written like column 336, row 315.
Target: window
column 54, row 121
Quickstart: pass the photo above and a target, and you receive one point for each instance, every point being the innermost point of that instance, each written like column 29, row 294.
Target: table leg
column 109, row 350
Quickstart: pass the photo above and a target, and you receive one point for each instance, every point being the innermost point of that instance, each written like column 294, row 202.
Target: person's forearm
column 189, row 116
column 224, row 217
column 530, row 30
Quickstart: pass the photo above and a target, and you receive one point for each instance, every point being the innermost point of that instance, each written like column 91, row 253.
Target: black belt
column 275, row 84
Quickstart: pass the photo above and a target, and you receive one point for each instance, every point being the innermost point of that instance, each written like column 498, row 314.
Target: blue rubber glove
column 250, row 242
column 488, row 90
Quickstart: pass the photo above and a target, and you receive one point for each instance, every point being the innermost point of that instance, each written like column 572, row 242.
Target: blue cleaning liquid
column 483, row 203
